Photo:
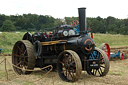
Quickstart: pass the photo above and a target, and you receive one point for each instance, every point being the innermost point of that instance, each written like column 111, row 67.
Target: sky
column 66, row 8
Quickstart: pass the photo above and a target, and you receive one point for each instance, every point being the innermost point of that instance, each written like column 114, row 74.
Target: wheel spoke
column 72, row 63
column 102, row 62
column 93, row 71
column 71, row 75
column 63, row 71
column 98, row 55
column 18, row 63
column 70, row 58
column 19, row 48
column 26, row 62
column 91, row 56
column 25, row 56
column 23, row 46
column 63, row 64
column 102, row 66
column 66, row 72
column 65, row 57
column 94, row 57
column 101, row 58
column 73, row 71
column 101, row 71
column 25, row 52
column 17, row 55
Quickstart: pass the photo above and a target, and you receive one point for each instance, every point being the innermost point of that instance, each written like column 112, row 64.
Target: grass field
column 112, row 40
column 7, row 40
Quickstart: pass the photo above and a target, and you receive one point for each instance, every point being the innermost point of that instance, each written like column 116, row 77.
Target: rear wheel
column 69, row 66
column 103, row 69
column 23, row 57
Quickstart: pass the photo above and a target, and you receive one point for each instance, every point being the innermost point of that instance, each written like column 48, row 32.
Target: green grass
column 7, row 40
column 111, row 39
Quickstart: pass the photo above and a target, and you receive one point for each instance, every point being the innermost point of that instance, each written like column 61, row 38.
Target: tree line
column 33, row 22
column 110, row 24
column 27, row 22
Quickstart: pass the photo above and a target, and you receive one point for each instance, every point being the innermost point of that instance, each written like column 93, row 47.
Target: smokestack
column 82, row 19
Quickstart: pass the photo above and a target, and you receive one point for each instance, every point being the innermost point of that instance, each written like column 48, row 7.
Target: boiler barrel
column 83, row 43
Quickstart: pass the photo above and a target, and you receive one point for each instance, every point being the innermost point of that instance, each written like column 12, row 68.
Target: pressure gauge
column 65, row 33
column 71, row 32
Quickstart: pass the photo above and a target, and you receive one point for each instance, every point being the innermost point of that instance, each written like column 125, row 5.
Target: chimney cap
column 82, row 8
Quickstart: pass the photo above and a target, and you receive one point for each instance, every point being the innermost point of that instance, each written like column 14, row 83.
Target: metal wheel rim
column 69, row 66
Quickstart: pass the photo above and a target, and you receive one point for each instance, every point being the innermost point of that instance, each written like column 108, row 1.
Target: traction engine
column 68, row 51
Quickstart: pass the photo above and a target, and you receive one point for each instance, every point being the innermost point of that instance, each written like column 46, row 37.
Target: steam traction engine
column 69, row 52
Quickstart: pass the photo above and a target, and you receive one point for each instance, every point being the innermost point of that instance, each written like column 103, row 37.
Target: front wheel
column 69, row 66
column 103, row 68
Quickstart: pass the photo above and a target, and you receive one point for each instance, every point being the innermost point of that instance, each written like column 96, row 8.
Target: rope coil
column 12, row 65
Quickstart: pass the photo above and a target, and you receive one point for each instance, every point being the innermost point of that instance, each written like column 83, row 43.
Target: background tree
column 2, row 19
column 8, row 26
column 33, row 22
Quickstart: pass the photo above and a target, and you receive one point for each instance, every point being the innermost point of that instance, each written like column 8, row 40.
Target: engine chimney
column 82, row 19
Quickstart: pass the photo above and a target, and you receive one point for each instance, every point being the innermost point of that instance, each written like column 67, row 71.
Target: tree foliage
column 41, row 22
column 105, row 25
column 8, row 26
